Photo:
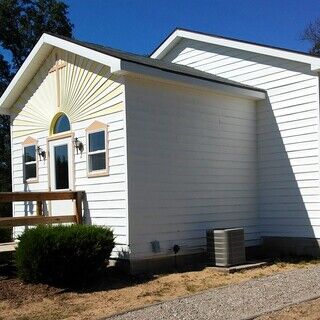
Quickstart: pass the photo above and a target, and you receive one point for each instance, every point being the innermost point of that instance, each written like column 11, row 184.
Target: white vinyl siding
column 106, row 196
column 288, row 132
column 192, row 165
column 17, row 165
column 18, row 184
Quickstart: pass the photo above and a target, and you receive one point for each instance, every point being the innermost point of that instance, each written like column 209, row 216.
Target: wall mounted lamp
column 41, row 153
column 78, row 145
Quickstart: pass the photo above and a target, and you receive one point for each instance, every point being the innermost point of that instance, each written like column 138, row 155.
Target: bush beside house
column 64, row 255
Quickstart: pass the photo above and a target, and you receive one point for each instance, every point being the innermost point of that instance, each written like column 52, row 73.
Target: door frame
column 60, row 136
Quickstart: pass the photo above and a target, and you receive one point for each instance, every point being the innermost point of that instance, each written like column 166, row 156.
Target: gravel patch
column 240, row 301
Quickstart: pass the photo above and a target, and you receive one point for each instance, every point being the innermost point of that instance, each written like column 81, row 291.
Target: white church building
column 208, row 132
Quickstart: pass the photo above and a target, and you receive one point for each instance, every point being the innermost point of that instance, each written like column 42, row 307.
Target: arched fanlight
column 61, row 124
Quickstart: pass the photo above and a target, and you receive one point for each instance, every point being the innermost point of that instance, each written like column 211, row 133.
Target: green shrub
column 63, row 255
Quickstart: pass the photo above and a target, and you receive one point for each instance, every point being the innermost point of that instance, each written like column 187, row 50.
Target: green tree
column 22, row 22
column 312, row 34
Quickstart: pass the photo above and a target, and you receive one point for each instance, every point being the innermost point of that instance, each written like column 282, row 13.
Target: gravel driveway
column 241, row 301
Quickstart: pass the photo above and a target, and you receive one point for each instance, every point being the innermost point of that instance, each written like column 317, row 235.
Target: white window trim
column 104, row 172
column 36, row 178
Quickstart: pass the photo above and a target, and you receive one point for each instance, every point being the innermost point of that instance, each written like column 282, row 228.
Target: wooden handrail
column 34, row 220
column 39, row 197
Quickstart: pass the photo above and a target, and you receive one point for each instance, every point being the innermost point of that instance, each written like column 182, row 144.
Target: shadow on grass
column 115, row 279
column 7, row 267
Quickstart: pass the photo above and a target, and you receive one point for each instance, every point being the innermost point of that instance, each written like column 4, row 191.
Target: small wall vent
column 155, row 246
column 225, row 247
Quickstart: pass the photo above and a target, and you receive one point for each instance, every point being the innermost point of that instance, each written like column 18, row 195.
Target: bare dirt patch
column 117, row 293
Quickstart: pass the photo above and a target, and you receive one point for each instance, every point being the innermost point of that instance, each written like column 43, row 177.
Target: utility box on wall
column 225, row 247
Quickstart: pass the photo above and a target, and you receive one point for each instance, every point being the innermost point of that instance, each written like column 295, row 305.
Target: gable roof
column 119, row 62
column 161, row 65
column 180, row 33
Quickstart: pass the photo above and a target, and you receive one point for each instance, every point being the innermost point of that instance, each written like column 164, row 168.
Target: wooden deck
column 39, row 217
column 8, row 246
column 40, row 197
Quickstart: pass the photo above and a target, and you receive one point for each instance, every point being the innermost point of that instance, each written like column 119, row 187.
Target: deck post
column 79, row 197
column 40, row 198
column 39, row 208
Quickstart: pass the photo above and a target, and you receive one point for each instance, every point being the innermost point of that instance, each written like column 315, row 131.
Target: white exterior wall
column 192, row 165
column 106, row 196
column 288, row 132
column 28, row 207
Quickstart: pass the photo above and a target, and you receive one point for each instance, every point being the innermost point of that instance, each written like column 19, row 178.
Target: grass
column 119, row 293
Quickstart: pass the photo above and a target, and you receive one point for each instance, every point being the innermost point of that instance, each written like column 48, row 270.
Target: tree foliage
column 5, row 163
column 312, row 34
column 22, row 23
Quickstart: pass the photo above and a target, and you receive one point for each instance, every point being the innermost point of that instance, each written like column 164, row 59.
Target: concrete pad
column 242, row 267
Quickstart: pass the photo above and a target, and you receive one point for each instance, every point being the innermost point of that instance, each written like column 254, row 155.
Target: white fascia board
column 36, row 56
column 156, row 74
column 35, row 59
column 315, row 67
column 166, row 46
column 112, row 62
column 283, row 54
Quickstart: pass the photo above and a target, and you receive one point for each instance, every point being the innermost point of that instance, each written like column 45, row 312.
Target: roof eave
column 128, row 67
column 179, row 34
column 47, row 42
column 166, row 45
column 35, row 59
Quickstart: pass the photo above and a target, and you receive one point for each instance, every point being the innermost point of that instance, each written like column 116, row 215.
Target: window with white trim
column 30, row 162
column 97, row 151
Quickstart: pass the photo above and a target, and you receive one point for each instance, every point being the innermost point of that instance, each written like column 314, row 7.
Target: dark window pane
column 62, row 124
column 30, row 171
column 30, row 154
column 97, row 141
column 97, row 161
column 61, row 166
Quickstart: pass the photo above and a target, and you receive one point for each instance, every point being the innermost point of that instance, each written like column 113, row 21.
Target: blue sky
column 140, row 25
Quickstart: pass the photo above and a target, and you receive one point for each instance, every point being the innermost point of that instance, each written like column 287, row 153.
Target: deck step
column 8, row 246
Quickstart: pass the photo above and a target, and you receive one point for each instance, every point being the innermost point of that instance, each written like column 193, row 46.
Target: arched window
column 61, row 124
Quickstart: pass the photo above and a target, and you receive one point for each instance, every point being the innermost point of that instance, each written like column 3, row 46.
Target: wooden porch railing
column 40, row 197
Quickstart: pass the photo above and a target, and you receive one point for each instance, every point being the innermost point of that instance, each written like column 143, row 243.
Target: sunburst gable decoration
column 68, row 83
